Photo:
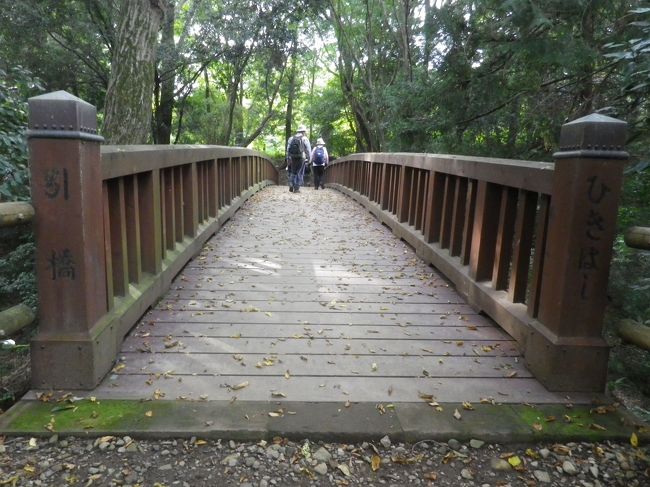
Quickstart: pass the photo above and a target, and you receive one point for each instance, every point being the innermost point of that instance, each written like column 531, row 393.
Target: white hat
column 302, row 128
column 320, row 141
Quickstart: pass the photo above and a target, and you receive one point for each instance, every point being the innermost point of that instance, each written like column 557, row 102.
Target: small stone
column 569, row 468
column 499, row 464
column 232, row 444
column 167, row 466
column 593, row 469
column 322, row 455
column 385, row 442
column 542, row 476
column 53, row 439
column 454, row 444
column 545, row 452
column 320, row 469
column 476, row 443
column 466, row 474
column 249, row 461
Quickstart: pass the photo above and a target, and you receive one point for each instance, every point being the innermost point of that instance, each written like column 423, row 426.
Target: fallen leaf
column 537, row 427
column 596, row 426
column 431, row 476
column 514, row 461
column 375, row 463
column 374, row 367
column 457, row 414
column 278, row 394
column 634, row 440
column 344, row 468
column 149, row 414
column 240, row 386
column 468, row 406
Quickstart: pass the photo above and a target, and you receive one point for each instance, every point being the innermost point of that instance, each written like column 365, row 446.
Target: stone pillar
column 70, row 261
column 565, row 348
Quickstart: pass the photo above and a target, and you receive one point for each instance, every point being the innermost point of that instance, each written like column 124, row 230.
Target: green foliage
column 17, row 277
column 14, row 173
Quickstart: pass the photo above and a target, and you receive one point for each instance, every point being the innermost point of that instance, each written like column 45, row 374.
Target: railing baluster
column 541, row 227
column 485, row 231
column 119, row 255
column 151, row 220
column 523, row 241
column 468, row 222
column 132, row 209
column 503, row 254
column 447, row 211
column 457, row 218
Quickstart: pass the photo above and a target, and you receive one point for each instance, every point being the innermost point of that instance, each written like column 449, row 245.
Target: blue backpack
column 319, row 156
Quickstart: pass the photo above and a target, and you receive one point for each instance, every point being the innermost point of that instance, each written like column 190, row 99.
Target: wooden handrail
column 113, row 226
column 528, row 243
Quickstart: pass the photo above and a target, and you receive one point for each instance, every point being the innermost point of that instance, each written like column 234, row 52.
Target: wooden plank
column 311, row 307
column 261, row 329
column 179, row 364
column 335, row 389
column 321, row 346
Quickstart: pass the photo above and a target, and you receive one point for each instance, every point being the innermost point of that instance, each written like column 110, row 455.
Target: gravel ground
column 195, row 462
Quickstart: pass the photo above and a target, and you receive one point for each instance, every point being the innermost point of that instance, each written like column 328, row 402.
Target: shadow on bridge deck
column 306, row 316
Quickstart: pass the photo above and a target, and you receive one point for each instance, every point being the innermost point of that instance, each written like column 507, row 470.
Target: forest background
column 493, row 78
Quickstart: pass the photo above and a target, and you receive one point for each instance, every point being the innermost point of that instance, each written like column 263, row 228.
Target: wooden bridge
column 184, row 272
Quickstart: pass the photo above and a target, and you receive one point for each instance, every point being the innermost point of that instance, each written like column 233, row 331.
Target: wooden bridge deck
column 306, row 297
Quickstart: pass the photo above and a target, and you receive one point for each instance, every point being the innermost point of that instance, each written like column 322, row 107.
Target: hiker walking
column 319, row 160
column 298, row 150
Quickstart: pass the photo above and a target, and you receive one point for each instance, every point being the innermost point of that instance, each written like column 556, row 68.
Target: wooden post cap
column 60, row 115
column 594, row 136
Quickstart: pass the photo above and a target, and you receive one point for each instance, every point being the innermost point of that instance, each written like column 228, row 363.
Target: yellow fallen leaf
column 240, row 386
column 537, row 427
column 376, row 462
column 287, row 375
column 596, row 426
column 634, row 440
column 514, row 461
column 532, row 453
column 149, row 414
column 200, row 442
column 468, row 406
column 278, row 394
column 374, row 367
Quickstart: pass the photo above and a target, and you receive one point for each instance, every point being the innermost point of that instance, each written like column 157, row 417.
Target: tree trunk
column 292, row 90
column 167, row 73
column 130, row 87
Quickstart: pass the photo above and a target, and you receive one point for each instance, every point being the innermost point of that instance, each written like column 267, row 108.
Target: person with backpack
column 319, row 160
column 298, row 150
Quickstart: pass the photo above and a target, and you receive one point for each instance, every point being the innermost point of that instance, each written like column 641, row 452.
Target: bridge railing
column 528, row 243
column 113, row 226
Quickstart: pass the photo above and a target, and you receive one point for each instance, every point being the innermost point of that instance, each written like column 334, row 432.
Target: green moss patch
column 557, row 422
column 36, row 417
